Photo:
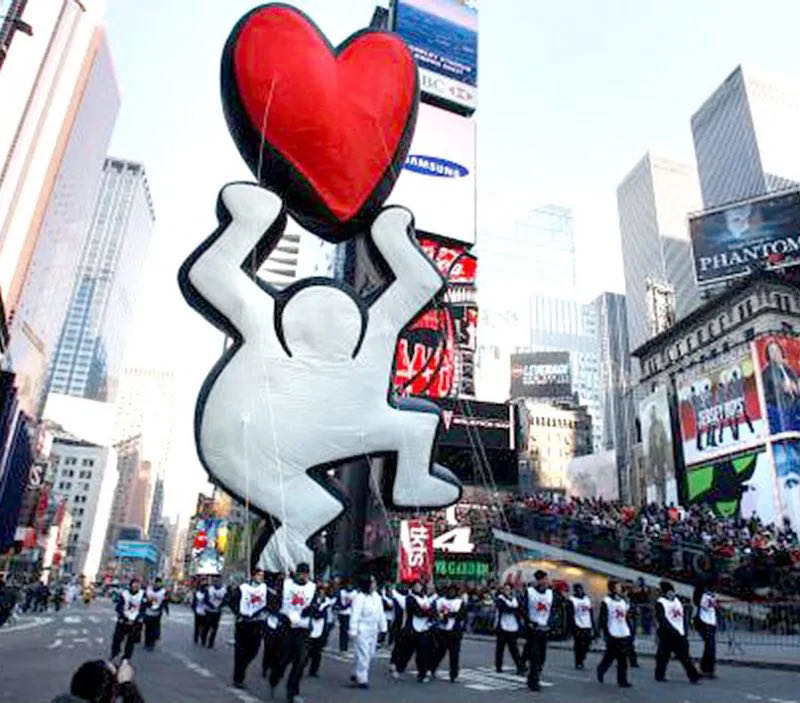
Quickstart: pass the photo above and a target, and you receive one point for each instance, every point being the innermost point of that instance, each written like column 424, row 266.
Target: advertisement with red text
column 415, row 559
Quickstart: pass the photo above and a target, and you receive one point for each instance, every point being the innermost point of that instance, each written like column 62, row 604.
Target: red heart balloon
column 327, row 128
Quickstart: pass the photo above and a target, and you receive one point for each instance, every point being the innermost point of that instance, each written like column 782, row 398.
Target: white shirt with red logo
column 296, row 598
column 617, row 623
column 539, row 606
column 583, row 612
column 673, row 613
column 708, row 609
column 252, row 600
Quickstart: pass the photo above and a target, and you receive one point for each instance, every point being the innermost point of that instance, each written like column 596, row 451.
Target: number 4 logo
column 455, row 541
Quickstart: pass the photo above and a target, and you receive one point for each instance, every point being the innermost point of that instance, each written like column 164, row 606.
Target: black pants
column 391, row 632
column 199, row 628
column 344, row 637
column 419, row 644
column 709, row 659
column 447, row 642
column 402, row 650
column 315, row 647
column 247, row 639
column 130, row 632
column 616, row 648
column 582, row 640
column 152, row 630
column 669, row 644
column 537, row 653
column 210, row 627
column 273, row 650
column 507, row 639
column 294, row 657
column 634, row 662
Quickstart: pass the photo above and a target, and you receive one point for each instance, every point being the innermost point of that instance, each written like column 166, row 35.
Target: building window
column 749, row 334
column 699, row 336
column 725, row 346
column 749, row 305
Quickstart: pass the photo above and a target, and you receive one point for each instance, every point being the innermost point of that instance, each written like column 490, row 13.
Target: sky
column 571, row 95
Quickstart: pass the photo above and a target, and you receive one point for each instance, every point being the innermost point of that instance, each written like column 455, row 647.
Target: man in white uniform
column 451, row 614
column 130, row 609
column 216, row 594
column 157, row 605
column 672, row 637
column 581, row 621
column 617, row 633
column 508, row 629
column 248, row 605
column 367, row 620
column 538, row 614
column 705, row 622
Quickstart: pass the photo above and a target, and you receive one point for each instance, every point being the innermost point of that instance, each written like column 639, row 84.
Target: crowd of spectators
column 743, row 556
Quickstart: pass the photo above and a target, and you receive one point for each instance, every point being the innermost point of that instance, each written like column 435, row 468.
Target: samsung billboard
column 541, row 375
column 443, row 37
column 438, row 179
column 730, row 241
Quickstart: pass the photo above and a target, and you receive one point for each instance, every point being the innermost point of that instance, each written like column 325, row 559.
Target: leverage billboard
column 729, row 241
column 779, row 362
column 659, row 459
column 437, row 182
column 443, row 38
column 720, row 411
column 541, row 375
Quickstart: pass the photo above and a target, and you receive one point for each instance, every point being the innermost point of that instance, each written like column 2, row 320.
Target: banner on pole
column 415, row 559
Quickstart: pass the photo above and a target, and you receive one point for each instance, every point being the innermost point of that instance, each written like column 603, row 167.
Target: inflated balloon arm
column 417, row 280
column 219, row 278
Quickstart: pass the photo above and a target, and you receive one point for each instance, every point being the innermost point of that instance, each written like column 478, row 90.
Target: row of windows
column 552, row 422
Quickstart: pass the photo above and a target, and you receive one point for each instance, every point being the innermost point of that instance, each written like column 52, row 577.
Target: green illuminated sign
column 466, row 569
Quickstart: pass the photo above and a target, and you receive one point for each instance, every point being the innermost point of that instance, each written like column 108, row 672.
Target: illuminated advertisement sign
column 415, row 557
column 438, row 179
column 130, row 549
column 779, row 362
column 720, row 411
column 209, row 545
column 443, row 37
column 425, row 356
column 459, row 568
column 541, row 375
column 659, row 458
column 453, row 261
column 729, row 241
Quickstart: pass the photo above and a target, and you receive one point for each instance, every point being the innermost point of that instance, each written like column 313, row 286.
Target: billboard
column 779, row 363
column 464, row 419
column 209, row 545
column 425, row 355
column 720, row 411
column 735, row 486
column 541, row 375
column 594, row 476
column 415, row 556
column 659, row 457
column 443, row 37
column 786, row 454
column 460, row 567
column 438, row 179
column 453, row 261
column 728, row 241
column 131, row 549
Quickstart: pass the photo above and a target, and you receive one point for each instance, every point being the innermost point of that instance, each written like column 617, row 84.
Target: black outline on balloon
column 250, row 266
column 299, row 196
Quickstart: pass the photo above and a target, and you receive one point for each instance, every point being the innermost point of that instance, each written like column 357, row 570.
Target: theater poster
column 415, row 558
column 720, row 412
column 779, row 363
column 739, row 485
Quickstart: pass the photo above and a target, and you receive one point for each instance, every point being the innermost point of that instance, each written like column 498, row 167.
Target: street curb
column 775, row 666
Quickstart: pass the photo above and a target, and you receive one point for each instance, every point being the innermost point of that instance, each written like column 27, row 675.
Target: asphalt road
column 38, row 655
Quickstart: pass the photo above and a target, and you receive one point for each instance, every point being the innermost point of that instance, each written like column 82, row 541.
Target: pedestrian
column 199, row 610
column 274, row 627
column 451, row 615
column 8, row 599
column 367, row 620
column 216, row 593
column 249, row 606
column 389, row 613
column 507, row 629
column 580, row 619
column 705, row 622
column 298, row 602
column 401, row 638
column 344, row 602
column 617, row 633
column 320, row 628
column 130, row 610
column 633, row 618
column 672, row 634
column 156, row 605
column 417, row 634
column 538, row 612
column 102, row 682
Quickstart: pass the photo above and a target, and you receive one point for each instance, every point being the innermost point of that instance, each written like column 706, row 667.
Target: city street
column 39, row 653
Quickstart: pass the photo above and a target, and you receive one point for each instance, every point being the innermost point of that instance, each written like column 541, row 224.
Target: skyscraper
column 653, row 201
column 618, row 408
column 45, row 83
column 88, row 360
column 745, row 136
column 61, row 221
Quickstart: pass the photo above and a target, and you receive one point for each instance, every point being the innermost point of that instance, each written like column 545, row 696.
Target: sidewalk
column 780, row 652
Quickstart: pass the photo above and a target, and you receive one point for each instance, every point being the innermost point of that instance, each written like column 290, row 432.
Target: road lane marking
column 36, row 622
column 72, row 619
column 55, row 644
column 242, row 696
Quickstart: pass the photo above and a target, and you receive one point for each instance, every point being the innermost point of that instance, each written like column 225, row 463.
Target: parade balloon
column 328, row 129
column 305, row 385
